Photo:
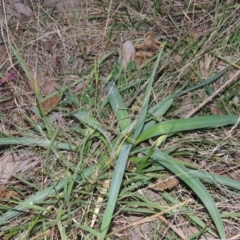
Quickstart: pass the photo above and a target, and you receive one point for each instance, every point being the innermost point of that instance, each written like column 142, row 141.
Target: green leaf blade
column 196, row 185
column 89, row 120
column 178, row 125
column 143, row 113
column 118, row 106
column 115, row 188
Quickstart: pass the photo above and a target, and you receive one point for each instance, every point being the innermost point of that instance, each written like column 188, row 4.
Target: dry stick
column 170, row 225
column 149, row 219
column 225, row 85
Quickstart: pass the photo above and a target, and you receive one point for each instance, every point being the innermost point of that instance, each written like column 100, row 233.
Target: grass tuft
column 102, row 136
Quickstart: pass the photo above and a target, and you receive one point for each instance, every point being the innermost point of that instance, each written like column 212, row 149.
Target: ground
column 119, row 119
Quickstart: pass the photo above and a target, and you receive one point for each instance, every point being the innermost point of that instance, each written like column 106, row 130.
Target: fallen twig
column 209, row 99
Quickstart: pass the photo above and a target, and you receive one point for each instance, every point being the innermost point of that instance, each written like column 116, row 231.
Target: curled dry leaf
column 5, row 194
column 128, row 53
column 10, row 76
column 23, row 9
column 142, row 56
column 167, row 184
column 149, row 44
column 146, row 50
column 205, row 65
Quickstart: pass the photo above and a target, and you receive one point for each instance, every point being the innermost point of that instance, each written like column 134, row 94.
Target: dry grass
column 62, row 47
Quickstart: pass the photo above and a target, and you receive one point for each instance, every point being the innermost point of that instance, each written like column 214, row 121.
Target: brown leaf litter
column 5, row 194
column 11, row 163
column 153, row 218
column 142, row 52
column 11, row 75
column 22, row 8
column 146, row 50
column 46, row 86
column 168, row 184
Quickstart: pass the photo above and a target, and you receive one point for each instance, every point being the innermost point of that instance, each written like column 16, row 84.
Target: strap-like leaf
column 115, row 188
column 191, row 179
column 178, row 125
column 89, row 120
column 118, row 106
column 143, row 113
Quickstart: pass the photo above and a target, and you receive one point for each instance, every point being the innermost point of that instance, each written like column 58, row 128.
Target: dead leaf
column 81, row 86
column 197, row 33
column 10, row 76
column 11, row 163
column 176, row 61
column 128, row 53
column 168, row 184
column 22, row 8
column 205, row 65
column 216, row 110
column 4, row 194
column 51, row 103
column 146, row 50
column 47, row 86
column 140, row 231
column 149, row 44
column 142, row 56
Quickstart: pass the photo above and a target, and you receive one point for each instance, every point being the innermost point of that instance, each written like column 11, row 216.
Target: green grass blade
column 171, row 96
column 187, row 124
column 118, row 106
column 196, row 185
column 186, row 211
column 143, row 112
column 115, row 188
column 61, row 228
column 201, row 174
column 86, row 118
column 36, row 142
column 88, row 229
column 36, row 86
column 158, row 114
column 163, row 108
column 215, row 178
column 40, row 196
column 204, row 83
column 20, row 61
